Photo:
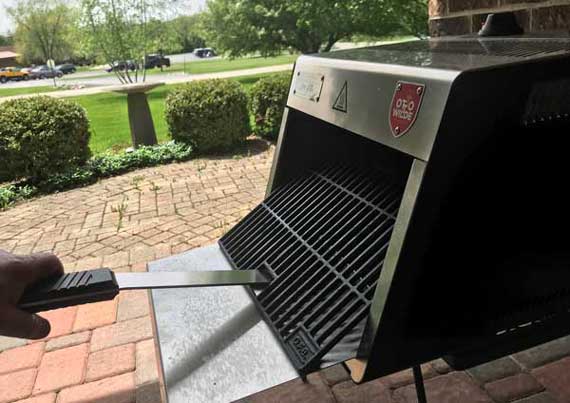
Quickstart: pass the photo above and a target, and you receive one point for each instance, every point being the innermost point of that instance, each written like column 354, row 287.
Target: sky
column 5, row 23
column 7, row 26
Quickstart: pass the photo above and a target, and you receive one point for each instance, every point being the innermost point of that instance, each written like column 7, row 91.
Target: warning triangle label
column 341, row 103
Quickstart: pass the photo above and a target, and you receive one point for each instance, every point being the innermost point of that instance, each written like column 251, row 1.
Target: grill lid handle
column 501, row 24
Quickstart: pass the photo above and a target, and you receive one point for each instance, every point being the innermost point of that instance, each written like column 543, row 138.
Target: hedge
column 40, row 136
column 268, row 99
column 210, row 115
column 98, row 167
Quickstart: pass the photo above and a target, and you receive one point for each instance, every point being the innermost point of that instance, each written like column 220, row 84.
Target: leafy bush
column 11, row 194
column 268, row 99
column 101, row 166
column 40, row 136
column 111, row 164
column 210, row 115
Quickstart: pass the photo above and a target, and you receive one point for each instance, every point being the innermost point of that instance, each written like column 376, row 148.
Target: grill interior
column 546, row 104
column 511, row 267
column 323, row 238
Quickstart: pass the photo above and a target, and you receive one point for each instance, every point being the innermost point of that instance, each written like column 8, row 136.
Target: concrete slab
column 213, row 344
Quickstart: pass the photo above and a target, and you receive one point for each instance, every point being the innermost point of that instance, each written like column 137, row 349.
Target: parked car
column 44, row 71
column 13, row 74
column 204, row 52
column 121, row 66
column 156, row 60
column 66, row 68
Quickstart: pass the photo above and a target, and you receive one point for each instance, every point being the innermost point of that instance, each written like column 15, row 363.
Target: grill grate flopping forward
column 323, row 238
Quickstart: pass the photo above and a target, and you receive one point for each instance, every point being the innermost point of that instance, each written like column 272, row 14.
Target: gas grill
column 416, row 206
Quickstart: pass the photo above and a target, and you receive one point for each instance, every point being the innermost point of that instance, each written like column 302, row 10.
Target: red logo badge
column 405, row 106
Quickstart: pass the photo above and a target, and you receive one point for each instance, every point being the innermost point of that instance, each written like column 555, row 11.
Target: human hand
column 16, row 273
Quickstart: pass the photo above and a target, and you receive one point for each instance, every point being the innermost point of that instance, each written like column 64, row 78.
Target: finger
column 37, row 266
column 17, row 323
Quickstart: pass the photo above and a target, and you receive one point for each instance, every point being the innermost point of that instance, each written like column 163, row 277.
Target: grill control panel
column 362, row 99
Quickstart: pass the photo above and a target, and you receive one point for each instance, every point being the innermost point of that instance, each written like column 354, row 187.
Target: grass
column 8, row 92
column 220, row 65
column 383, row 39
column 109, row 117
column 81, row 69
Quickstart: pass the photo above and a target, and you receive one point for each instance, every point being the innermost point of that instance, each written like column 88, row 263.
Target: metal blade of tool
column 134, row 281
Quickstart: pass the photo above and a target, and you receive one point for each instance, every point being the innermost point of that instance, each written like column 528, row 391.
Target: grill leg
column 419, row 380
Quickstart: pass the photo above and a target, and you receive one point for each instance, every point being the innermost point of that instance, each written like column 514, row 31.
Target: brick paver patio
column 104, row 352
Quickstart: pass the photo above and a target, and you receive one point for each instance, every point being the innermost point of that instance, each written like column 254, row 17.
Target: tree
column 162, row 37
column 308, row 26
column 117, row 30
column 6, row 40
column 411, row 17
column 187, row 32
column 43, row 29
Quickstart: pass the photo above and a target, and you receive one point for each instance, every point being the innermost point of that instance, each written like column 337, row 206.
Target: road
column 99, row 77
column 174, row 78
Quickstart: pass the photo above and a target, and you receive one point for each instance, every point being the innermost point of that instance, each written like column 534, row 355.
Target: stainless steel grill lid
column 415, row 205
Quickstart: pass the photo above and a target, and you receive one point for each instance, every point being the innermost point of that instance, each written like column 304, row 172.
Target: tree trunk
column 330, row 43
column 311, row 48
column 120, row 77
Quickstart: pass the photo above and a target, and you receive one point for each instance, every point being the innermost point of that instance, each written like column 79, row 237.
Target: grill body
column 391, row 246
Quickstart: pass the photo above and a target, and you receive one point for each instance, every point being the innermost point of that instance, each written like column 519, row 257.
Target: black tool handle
column 70, row 289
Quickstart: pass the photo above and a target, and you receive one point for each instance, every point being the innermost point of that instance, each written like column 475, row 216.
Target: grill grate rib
column 324, row 238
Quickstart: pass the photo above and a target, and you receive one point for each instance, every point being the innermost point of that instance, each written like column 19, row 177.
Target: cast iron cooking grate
column 323, row 238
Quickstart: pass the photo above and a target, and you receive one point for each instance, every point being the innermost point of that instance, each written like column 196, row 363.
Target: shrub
column 10, row 194
column 101, row 166
column 112, row 164
column 106, row 165
column 210, row 115
column 268, row 99
column 40, row 136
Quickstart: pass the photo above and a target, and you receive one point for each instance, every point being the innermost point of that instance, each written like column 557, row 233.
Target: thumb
column 17, row 323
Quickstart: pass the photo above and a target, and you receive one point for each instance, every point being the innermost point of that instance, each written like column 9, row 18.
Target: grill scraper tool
column 103, row 284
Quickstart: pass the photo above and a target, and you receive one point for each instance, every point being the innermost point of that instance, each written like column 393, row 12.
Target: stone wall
column 458, row 17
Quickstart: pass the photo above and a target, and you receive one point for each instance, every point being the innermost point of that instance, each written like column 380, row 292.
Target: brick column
column 459, row 17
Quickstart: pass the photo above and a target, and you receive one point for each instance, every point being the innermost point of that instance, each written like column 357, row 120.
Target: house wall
column 5, row 60
column 458, row 17
column 8, row 62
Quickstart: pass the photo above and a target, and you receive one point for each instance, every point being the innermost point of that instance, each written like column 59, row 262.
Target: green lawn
column 80, row 69
column 383, row 39
column 109, row 117
column 8, row 92
column 219, row 65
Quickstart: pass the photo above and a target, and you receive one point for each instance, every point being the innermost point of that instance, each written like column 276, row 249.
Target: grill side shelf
column 323, row 239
